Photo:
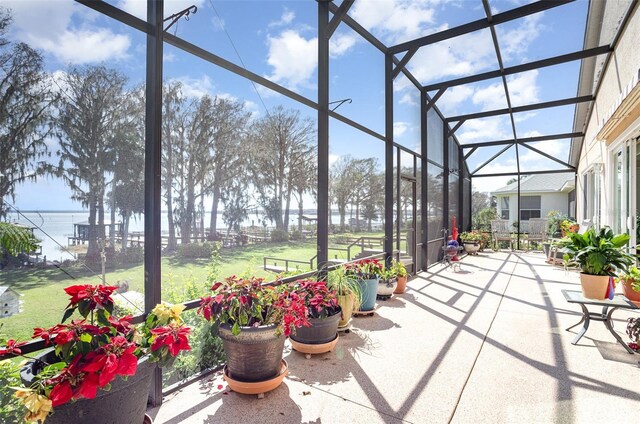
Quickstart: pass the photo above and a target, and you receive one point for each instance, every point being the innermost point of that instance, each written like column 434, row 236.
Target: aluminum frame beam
column 511, row 174
column 509, row 15
column 525, row 108
column 557, row 60
column 524, row 140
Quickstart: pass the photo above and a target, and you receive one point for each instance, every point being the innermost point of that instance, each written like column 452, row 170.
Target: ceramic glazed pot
column 126, row 402
column 346, row 305
column 594, row 286
column 471, row 247
column 253, row 355
column 402, row 285
column 387, row 287
column 629, row 293
column 368, row 293
column 322, row 330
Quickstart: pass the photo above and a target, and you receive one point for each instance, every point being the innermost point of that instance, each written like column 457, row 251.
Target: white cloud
column 395, row 20
column 287, row 17
column 333, row 158
column 139, row 7
column 196, row 87
column 48, row 26
column 516, row 41
column 292, row 57
column 485, row 129
column 491, row 97
column 218, row 23
column 86, row 46
column 453, row 97
column 399, row 128
column 410, row 98
column 341, row 43
column 523, row 88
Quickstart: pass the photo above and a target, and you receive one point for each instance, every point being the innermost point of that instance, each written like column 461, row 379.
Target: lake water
column 54, row 228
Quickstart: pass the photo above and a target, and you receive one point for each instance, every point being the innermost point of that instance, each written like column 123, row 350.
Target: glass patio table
column 608, row 307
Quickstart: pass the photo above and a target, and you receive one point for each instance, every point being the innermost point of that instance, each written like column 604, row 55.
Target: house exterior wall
column 548, row 202
column 9, row 303
column 623, row 67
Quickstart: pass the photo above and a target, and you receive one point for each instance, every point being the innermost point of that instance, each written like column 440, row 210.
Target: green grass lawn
column 43, row 298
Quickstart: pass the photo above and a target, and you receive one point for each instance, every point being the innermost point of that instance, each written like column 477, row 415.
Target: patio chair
column 501, row 232
column 537, row 231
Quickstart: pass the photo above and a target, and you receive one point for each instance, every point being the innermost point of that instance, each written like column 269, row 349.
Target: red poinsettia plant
column 95, row 348
column 321, row 302
column 242, row 302
column 364, row 269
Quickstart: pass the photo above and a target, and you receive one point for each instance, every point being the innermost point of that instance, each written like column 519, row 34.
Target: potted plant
column 367, row 272
column 633, row 331
column 471, row 241
column 387, row 283
column 401, row 273
column 569, row 226
column 599, row 255
column 323, row 316
column 631, row 284
column 78, row 378
column 348, row 293
column 253, row 320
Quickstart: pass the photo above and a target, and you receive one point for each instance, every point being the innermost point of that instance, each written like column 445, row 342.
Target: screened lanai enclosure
column 278, row 138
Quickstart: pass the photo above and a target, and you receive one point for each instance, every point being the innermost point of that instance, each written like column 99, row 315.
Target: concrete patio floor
column 487, row 344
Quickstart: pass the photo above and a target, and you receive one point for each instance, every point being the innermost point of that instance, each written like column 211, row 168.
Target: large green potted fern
column 599, row 255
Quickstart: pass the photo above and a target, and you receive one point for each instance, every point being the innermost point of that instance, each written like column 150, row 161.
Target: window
column 504, row 207
column 592, row 187
column 529, row 207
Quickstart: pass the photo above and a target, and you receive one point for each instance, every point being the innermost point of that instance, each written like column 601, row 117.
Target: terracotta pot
column 257, row 387
column 387, row 287
column 402, row 285
column 346, row 304
column 630, row 293
column 368, row 293
column 126, row 402
column 594, row 286
column 253, row 355
column 322, row 330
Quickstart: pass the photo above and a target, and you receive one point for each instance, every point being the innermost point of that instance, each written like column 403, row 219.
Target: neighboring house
column 539, row 194
column 609, row 154
column 9, row 302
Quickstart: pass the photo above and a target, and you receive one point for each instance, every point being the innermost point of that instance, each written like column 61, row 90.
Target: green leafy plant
column 365, row 269
column 344, row 285
column 555, row 218
column 92, row 351
column 15, row 239
column 320, row 299
column 597, row 253
column 399, row 269
column 242, row 302
column 632, row 276
column 567, row 224
column 471, row 236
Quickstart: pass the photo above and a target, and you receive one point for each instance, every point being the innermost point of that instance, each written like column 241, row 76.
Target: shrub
column 295, row 235
column 482, row 219
column 279, row 236
column 133, row 255
column 195, row 250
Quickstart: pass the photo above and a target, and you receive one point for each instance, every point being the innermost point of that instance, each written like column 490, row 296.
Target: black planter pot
column 253, row 355
column 322, row 330
column 126, row 402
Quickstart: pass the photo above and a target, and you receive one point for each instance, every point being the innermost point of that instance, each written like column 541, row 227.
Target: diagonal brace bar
column 491, row 159
column 338, row 16
column 403, row 62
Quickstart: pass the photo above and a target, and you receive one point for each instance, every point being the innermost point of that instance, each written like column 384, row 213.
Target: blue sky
column 277, row 39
